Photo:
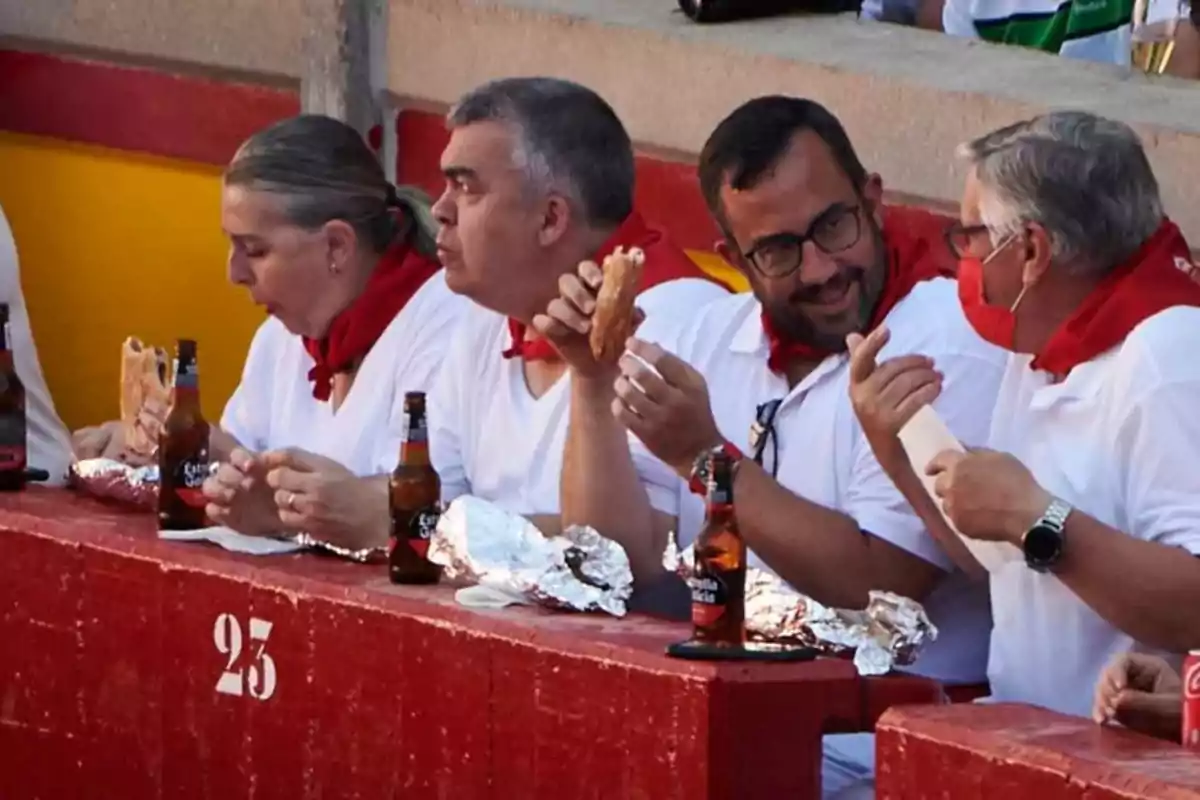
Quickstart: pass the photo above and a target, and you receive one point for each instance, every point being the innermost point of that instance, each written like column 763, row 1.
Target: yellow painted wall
column 114, row 244
column 716, row 266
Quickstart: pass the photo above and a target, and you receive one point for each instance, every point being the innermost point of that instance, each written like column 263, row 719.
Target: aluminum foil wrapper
column 113, row 480
column 365, row 556
column 580, row 570
column 891, row 631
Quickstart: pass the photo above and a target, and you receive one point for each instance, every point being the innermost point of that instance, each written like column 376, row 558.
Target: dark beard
column 794, row 327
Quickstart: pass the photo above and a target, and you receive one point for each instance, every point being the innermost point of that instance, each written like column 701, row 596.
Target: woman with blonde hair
column 359, row 313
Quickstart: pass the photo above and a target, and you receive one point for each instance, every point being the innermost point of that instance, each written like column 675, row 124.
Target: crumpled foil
column 580, row 570
column 891, row 631
column 363, row 556
column 109, row 479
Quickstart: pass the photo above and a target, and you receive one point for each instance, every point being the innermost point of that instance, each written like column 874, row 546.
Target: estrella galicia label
column 709, row 597
column 189, row 478
column 421, row 528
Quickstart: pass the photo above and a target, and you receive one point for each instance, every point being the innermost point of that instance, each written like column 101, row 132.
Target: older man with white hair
column 1086, row 511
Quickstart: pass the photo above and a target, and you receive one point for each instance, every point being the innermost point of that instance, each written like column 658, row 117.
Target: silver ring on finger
column 290, row 501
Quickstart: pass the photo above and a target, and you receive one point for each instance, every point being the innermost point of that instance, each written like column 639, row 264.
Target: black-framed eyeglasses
column 838, row 228
column 763, row 432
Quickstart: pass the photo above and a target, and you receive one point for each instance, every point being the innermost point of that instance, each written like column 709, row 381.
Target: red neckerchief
column 401, row 271
column 665, row 261
column 916, row 244
column 1158, row 276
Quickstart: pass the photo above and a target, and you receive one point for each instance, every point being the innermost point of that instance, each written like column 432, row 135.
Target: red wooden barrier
column 133, row 668
column 1011, row 751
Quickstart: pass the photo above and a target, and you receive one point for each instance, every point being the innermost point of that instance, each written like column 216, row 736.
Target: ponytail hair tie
column 392, row 200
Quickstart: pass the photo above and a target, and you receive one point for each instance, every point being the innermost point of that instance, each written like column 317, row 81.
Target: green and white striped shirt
column 1094, row 30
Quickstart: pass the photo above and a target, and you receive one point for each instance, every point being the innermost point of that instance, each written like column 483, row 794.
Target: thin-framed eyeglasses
column 837, row 228
column 959, row 239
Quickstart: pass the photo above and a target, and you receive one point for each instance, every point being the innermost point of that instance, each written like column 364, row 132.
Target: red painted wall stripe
column 130, row 108
column 203, row 119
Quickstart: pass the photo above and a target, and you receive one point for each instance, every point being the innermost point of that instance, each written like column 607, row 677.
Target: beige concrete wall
column 255, row 36
column 907, row 97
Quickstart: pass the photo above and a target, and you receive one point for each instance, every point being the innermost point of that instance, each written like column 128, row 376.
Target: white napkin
column 233, row 541
column 481, row 596
column 923, row 437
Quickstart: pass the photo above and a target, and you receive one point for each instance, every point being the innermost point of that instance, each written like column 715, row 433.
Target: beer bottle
column 718, row 580
column 13, row 448
column 414, row 493
column 183, row 448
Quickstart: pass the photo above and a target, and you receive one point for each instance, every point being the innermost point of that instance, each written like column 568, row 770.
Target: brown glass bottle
column 718, row 580
column 415, row 491
column 13, row 443
column 183, row 448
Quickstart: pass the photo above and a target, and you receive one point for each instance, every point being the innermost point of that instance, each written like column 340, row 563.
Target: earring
column 333, row 267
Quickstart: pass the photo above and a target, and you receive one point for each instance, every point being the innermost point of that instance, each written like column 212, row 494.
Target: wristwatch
column 1043, row 543
column 698, row 483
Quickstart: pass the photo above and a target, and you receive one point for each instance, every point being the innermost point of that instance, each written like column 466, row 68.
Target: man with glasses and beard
column 765, row 378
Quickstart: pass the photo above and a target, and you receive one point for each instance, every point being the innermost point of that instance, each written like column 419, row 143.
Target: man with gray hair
column 1086, row 510
column 539, row 177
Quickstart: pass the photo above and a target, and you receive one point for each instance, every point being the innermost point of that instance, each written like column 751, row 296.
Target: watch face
column 1042, row 544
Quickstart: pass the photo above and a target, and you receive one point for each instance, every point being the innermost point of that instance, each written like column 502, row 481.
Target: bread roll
column 145, row 398
column 612, row 322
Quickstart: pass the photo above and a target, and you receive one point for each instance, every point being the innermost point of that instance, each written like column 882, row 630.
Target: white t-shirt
column 47, row 440
column 1120, row 440
column 489, row 437
column 823, row 455
column 273, row 407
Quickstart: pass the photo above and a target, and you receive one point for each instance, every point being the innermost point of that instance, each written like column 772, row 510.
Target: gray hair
column 321, row 169
column 568, row 139
column 1082, row 177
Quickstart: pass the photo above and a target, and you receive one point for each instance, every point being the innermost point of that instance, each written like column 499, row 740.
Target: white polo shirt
column 273, row 407
column 1120, row 440
column 489, row 437
column 823, row 454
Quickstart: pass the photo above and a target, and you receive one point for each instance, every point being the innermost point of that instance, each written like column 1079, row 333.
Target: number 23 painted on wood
column 257, row 679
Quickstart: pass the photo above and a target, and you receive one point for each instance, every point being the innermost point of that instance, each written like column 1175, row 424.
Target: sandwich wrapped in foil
column 480, row 543
column 890, row 631
column 116, row 481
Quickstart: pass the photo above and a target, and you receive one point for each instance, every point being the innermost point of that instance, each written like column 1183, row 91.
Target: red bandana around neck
column 917, row 252
column 401, row 271
column 665, row 261
column 1160, row 275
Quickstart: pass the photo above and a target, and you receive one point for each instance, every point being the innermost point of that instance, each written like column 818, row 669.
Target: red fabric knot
column 1160, row 275
column 401, row 271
